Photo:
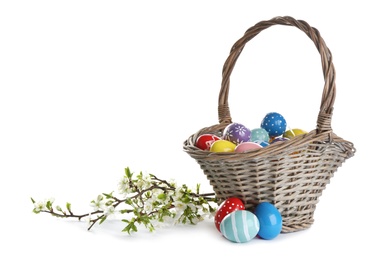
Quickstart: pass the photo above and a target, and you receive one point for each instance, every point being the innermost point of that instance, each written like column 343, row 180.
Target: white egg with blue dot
column 240, row 226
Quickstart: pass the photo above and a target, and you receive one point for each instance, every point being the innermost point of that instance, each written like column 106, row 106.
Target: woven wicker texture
column 292, row 174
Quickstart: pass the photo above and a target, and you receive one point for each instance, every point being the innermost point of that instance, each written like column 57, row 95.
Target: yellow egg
column 294, row 132
column 222, row 146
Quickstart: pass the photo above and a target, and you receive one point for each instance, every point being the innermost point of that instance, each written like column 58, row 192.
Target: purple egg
column 236, row 133
column 279, row 139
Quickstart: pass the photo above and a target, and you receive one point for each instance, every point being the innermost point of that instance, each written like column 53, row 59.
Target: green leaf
column 151, row 228
column 124, row 211
column 109, row 202
column 102, row 220
column 128, row 201
column 128, row 173
column 131, row 227
column 139, row 176
column 49, row 205
column 108, row 196
column 148, row 194
column 162, row 196
column 68, row 206
column 33, row 201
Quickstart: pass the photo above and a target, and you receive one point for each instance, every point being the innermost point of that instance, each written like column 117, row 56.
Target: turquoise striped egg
column 240, row 226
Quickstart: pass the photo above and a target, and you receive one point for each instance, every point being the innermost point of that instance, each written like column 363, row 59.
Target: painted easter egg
column 263, row 144
column 246, row 146
column 279, row 139
column 236, row 133
column 205, row 141
column 222, row 146
column 259, row 135
column 270, row 220
column 227, row 207
column 274, row 123
column 293, row 132
column 240, row 226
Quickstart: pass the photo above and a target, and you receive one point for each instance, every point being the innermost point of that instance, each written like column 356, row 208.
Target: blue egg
column 270, row 220
column 263, row 144
column 240, row 226
column 274, row 123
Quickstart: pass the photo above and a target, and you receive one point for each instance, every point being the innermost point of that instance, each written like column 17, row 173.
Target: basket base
column 296, row 227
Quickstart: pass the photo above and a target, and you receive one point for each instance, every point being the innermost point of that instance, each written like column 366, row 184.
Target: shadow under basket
column 292, row 174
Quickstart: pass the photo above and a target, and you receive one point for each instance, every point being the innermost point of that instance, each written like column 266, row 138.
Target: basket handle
column 328, row 95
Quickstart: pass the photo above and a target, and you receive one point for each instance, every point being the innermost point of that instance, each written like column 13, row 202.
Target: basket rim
column 275, row 149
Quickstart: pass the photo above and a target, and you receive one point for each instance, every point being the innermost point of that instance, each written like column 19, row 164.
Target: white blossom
column 148, row 207
column 99, row 203
column 195, row 220
column 88, row 219
column 179, row 206
column 178, row 193
column 110, row 210
column 192, row 207
column 124, row 186
column 144, row 182
column 39, row 206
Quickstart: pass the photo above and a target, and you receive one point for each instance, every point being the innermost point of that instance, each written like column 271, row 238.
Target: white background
column 88, row 88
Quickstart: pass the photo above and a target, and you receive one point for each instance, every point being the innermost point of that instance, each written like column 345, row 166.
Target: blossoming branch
column 144, row 200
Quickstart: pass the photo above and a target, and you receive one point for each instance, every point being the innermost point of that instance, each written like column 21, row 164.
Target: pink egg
column 246, row 146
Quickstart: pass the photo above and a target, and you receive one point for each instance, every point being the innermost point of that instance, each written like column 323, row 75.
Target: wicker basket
column 292, row 174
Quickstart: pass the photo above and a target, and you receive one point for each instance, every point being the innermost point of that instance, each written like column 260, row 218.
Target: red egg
column 205, row 141
column 227, row 207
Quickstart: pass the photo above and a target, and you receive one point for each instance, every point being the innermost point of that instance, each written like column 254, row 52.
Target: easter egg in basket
column 274, row 123
column 222, row 146
column 294, row 132
column 236, row 133
column 205, row 141
column 279, row 139
column 246, row 146
column 263, row 144
column 259, row 135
